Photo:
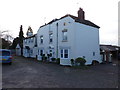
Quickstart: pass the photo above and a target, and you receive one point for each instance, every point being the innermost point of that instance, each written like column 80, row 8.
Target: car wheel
column 10, row 63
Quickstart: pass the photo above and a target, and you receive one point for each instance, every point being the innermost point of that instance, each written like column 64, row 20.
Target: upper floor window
column 64, row 35
column 51, row 38
column 64, row 24
column 25, row 41
column 31, row 39
column 41, row 39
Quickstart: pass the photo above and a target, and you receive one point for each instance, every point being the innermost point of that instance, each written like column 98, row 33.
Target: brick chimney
column 81, row 14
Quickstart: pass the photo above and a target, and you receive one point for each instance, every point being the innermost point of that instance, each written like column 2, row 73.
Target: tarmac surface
column 30, row 73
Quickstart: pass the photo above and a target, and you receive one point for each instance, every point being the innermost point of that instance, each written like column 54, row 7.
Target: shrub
column 80, row 60
column 58, row 60
column 44, row 58
column 72, row 62
column 94, row 62
column 50, row 54
column 53, row 59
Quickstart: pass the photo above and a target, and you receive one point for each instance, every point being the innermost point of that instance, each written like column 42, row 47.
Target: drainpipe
column 57, row 42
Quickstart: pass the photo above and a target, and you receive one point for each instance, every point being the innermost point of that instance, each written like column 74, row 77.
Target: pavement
column 30, row 73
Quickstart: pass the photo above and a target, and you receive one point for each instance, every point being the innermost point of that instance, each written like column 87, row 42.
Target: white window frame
column 40, row 51
column 51, row 37
column 51, row 52
column 64, row 54
column 65, row 37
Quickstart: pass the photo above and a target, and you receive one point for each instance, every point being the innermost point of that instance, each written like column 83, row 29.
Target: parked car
column 5, row 56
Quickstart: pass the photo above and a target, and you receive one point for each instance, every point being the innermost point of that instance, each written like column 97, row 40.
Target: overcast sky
column 35, row 13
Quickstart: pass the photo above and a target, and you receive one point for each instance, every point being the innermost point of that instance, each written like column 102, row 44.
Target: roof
column 30, row 36
column 108, row 47
column 86, row 22
column 18, row 46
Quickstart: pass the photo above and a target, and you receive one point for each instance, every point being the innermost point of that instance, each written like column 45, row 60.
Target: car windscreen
column 5, row 53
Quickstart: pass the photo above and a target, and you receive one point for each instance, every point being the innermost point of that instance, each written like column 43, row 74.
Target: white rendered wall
column 87, row 42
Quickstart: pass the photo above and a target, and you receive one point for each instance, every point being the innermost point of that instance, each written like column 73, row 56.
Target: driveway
column 30, row 73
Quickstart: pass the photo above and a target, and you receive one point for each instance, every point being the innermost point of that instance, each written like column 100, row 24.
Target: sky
column 36, row 13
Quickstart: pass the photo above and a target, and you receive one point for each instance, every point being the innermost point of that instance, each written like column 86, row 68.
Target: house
column 109, row 53
column 18, row 50
column 68, row 38
column 30, row 44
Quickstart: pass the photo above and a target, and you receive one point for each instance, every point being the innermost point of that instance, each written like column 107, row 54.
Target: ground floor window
column 51, row 53
column 40, row 52
column 64, row 53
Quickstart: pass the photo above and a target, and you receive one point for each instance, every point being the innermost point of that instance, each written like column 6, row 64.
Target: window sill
column 64, row 41
column 50, row 42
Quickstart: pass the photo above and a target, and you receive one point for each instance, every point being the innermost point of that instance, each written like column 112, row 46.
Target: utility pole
column 57, row 41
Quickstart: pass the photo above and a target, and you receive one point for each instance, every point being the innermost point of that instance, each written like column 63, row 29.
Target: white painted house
column 30, row 44
column 68, row 38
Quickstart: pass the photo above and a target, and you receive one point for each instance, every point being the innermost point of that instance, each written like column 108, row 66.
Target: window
column 93, row 53
column 31, row 39
column 41, row 39
column 50, row 52
column 64, row 24
column 64, row 53
column 25, row 41
column 51, row 38
column 5, row 53
column 64, row 32
column 41, row 52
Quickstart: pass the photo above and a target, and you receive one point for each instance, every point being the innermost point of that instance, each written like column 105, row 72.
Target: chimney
column 81, row 14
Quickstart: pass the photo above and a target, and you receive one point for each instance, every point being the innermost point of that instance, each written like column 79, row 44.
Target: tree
column 21, row 37
column 15, row 42
column 5, row 39
column 5, row 44
column 21, row 34
column 19, row 40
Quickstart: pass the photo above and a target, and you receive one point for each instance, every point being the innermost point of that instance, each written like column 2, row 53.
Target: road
column 30, row 73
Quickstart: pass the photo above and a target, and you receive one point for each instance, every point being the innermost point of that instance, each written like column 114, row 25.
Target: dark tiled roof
column 108, row 47
column 86, row 22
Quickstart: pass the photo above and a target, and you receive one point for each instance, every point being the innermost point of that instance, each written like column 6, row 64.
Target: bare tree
column 5, row 38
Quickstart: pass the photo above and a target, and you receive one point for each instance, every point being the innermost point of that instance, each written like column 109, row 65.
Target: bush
column 95, row 62
column 72, row 62
column 53, row 59
column 80, row 60
column 50, row 54
column 58, row 60
column 44, row 58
